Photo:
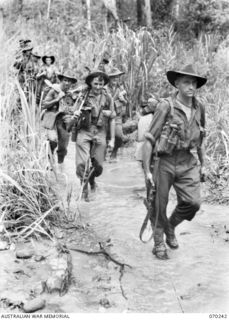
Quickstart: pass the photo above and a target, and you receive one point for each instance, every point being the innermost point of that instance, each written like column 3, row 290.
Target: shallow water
column 195, row 279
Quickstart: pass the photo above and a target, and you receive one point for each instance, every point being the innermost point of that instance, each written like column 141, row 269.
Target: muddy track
column 112, row 271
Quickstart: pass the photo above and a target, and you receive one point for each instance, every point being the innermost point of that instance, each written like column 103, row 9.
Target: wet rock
column 34, row 305
column 38, row 288
column 56, row 283
column 59, row 263
column 59, row 280
column 185, row 297
column 104, row 302
column 8, row 303
column 39, row 258
column 184, row 233
column 24, row 253
column 20, row 271
column 4, row 245
column 12, row 247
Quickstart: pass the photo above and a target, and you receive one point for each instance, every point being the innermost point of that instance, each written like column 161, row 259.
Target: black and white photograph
column 114, row 159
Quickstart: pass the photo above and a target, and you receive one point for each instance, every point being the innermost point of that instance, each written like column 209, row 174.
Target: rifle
column 75, row 123
column 150, row 202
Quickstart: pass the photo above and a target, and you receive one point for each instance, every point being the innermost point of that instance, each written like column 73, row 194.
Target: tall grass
column 145, row 57
column 25, row 194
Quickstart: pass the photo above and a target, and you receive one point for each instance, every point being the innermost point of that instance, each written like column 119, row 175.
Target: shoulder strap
column 170, row 101
column 202, row 112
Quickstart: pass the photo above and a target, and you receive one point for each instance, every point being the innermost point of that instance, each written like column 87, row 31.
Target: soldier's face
column 48, row 61
column 114, row 81
column 186, row 85
column 97, row 85
column 66, row 84
column 27, row 54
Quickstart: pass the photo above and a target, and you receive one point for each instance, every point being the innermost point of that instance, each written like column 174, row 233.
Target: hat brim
column 97, row 74
column 51, row 57
column 116, row 74
column 62, row 76
column 27, row 49
column 173, row 75
column 36, row 56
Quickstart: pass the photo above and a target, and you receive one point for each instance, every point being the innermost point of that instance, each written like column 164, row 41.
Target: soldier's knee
column 98, row 169
column 194, row 206
column 53, row 145
column 61, row 153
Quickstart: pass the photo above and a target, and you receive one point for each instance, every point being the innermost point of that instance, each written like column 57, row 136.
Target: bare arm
column 112, row 129
column 156, row 126
column 51, row 99
column 147, row 151
column 201, row 154
column 112, row 121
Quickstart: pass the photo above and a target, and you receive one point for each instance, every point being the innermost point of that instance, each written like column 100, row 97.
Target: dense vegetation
column 144, row 55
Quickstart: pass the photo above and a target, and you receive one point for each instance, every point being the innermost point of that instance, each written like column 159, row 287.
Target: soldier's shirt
column 51, row 72
column 190, row 129
column 64, row 105
column 100, row 102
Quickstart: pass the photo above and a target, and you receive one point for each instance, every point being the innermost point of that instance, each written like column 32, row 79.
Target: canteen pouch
column 85, row 120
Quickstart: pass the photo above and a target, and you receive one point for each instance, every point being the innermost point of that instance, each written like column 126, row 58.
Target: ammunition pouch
column 169, row 139
column 85, row 120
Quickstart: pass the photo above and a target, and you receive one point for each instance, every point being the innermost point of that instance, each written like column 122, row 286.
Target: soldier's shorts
column 90, row 144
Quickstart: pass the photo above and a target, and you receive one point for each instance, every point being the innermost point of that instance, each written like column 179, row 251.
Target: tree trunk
column 148, row 13
column 48, row 9
column 20, row 6
column 88, row 2
column 84, row 6
column 140, row 12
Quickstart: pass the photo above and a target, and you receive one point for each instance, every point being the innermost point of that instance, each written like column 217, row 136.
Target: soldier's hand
column 149, row 178
column 107, row 113
column 121, row 97
column 77, row 114
column 111, row 144
column 61, row 95
column 203, row 174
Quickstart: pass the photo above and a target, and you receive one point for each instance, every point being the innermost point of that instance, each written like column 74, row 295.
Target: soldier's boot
column 171, row 239
column 159, row 249
column 92, row 183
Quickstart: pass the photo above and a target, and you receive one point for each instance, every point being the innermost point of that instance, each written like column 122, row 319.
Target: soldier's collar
column 194, row 101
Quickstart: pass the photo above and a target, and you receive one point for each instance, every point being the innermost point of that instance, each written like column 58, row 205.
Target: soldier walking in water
column 173, row 155
column 57, row 115
column 97, row 114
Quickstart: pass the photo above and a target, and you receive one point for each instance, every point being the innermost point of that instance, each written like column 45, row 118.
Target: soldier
column 177, row 132
column 23, row 61
column 91, row 137
column 48, row 71
column 118, row 94
column 56, row 116
column 36, row 58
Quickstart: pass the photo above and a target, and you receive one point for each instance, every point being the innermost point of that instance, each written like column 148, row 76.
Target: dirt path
column 195, row 279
